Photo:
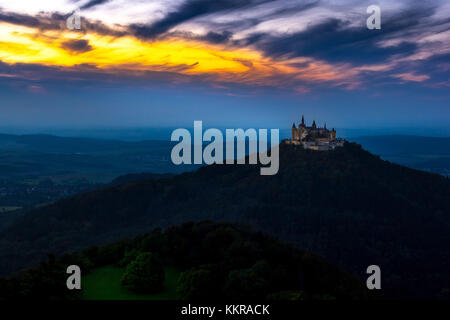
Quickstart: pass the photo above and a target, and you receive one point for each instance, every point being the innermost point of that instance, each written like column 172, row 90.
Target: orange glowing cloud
column 183, row 56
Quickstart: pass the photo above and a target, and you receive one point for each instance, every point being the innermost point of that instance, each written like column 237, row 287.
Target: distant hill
column 425, row 153
column 69, row 160
column 405, row 144
column 348, row 205
column 69, row 145
column 133, row 177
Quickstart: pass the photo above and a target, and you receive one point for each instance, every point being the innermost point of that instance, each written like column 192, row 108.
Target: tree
column 145, row 274
column 129, row 257
column 197, row 284
column 245, row 284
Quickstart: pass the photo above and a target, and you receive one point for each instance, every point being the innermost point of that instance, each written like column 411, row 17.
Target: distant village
column 313, row 137
column 15, row 195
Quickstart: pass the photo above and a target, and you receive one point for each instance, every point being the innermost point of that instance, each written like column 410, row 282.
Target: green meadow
column 104, row 284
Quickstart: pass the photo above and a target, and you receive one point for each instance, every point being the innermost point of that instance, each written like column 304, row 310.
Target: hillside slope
column 349, row 206
column 203, row 261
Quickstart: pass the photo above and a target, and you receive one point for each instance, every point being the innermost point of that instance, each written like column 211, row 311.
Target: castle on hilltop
column 314, row 138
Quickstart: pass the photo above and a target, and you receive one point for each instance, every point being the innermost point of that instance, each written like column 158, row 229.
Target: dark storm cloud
column 243, row 24
column 216, row 37
column 102, row 29
column 211, row 37
column 57, row 21
column 21, row 19
column 189, row 10
column 93, row 3
column 337, row 41
column 42, row 21
column 77, row 46
column 220, row 31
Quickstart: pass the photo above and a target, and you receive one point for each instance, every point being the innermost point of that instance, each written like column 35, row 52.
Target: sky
column 229, row 63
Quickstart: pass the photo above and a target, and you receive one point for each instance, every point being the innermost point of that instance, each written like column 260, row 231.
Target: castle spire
column 325, row 125
column 303, row 120
column 293, row 125
column 314, row 124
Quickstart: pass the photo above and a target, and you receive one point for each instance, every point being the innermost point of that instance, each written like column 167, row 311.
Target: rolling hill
column 430, row 154
column 64, row 159
column 348, row 206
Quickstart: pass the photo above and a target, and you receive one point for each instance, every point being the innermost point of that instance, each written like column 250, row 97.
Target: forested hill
column 347, row 205
column 210, row 261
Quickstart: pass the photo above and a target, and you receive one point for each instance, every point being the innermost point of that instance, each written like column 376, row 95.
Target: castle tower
column 294, row 132
column 333, row 134
column 314, row 124
column 303, row 121
column 325, row 125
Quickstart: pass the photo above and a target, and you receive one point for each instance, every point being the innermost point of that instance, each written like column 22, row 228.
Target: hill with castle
column 314, row 137
column 348, row 206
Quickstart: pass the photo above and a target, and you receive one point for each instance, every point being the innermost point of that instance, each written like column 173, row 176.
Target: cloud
column 57, row 21
column 337, row 40
column 93, row 3
column 36, row 89
column 216, row 37
column 42, row 21
column 189, row 10
column 411, row 77
column 20, row 19
column 77, row 45
column 440, row 62
column 84, row 74
column 255, row 42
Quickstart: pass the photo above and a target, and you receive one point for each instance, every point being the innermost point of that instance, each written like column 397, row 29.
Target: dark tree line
column 217, row 260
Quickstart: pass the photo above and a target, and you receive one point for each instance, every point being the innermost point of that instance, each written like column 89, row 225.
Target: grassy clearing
column 104, row 284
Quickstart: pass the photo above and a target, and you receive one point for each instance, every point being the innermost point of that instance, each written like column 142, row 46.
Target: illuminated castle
column 314, row 138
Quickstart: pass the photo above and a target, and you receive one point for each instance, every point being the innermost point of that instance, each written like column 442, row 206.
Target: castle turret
column 333, row 134
column 294, row 132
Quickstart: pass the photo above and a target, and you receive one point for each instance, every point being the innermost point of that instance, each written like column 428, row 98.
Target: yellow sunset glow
column 189, row 57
